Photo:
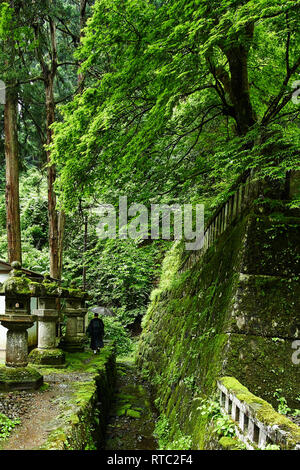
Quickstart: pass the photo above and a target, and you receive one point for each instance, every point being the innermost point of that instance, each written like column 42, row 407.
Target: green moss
column 76, row 294
column 273, row 366
column 47, row 357
column 17, row 284
column 83, row 392
column 133, row 413
column 74, row 419
column 228, row 443
column 263, row 410
column 44, row 387
column 57, row 440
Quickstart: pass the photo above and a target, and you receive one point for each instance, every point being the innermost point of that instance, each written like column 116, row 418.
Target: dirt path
column 39, row 411
column 33, row 431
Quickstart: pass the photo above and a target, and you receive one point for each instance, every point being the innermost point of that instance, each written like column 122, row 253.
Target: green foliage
column 222, row 424
column 6, row 426
column 189, row 382
column 114, row 330
column 271, row 447
column 166, row 441
column 160, row 116
column 282, row 402
column 121, row 275
column 34, row 221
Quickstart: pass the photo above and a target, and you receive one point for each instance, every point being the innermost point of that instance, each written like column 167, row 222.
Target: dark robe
column 96, row 332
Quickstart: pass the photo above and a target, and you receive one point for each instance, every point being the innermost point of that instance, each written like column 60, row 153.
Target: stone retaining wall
column 84, row 414
column 248, row 189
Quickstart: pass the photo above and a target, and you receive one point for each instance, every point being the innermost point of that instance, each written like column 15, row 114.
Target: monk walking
column 95, row 331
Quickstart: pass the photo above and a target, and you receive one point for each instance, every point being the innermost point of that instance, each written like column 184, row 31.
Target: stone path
column 39, row 411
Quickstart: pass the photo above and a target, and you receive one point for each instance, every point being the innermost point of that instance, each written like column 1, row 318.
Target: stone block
column 19, row 378
column 49, row 357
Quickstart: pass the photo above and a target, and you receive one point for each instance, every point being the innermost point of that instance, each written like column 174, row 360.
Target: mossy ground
column 47, row 357
column 227, row 443
column 264, row 412
column 84, row 413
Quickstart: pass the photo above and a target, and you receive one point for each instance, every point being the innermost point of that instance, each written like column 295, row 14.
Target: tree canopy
column 180, row 99
column 161, row 101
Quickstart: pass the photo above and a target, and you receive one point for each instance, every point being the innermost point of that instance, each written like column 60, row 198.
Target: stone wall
column 231, row 309
column 82, row 422
column 248, row 189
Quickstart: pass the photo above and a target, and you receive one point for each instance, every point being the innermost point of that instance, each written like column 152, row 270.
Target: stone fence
column 257, row 424
column 245, row 192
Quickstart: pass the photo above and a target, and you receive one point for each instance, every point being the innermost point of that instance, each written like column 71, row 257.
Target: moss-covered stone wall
column 84, row 412
column 234, row 312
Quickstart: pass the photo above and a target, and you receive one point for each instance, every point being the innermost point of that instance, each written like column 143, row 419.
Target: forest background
column 161, row 101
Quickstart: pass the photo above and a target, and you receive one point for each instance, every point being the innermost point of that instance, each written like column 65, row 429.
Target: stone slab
column 47, row 357
column 19, row 378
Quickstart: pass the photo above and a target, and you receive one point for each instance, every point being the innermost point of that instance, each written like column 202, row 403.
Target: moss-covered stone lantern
column 47, row 313
column 17, row 319
column 75, row 312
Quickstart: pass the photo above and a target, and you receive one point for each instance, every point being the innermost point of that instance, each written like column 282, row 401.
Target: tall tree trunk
column 12, row 174
column 61, row 232
column 52, row 212
column 84, row 251
column 49, row 73
column 240, row 95
column 237, row 56
column 83, row 6
column 82, row 23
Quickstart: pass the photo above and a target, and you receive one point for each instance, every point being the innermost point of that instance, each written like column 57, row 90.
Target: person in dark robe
column 95, row 331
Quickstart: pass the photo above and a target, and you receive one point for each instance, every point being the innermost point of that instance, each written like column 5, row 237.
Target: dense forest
column 160, row 101
column 164, row 102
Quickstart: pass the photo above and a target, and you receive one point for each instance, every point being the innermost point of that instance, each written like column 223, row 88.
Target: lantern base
column 19, row 378
column 47, row 357
column 73, row 344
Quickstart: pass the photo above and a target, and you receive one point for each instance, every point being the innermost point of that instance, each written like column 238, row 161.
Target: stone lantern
column 81, row 320
column 17, row 319
column 75, row 312
column 47, row 313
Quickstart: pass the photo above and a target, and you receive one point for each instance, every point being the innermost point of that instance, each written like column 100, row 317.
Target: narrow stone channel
column 132, row 418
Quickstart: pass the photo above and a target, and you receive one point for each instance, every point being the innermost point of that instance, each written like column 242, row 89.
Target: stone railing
column 257, row 424
column 246, row 191
column 225, row 215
